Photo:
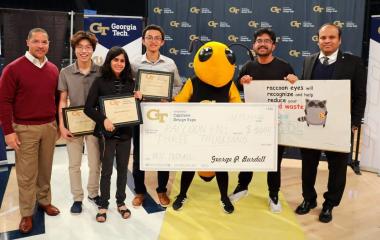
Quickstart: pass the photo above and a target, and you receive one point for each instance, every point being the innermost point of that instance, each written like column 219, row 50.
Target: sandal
column 125, row 213
column 101, row 217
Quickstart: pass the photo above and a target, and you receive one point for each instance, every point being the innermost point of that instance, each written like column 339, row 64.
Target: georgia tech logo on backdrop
column 378, row 30
column 157, row 10
column 154, row 114
column 193, row 37
column 98, row 28
column 314, row 38
column 318, row 9
column 212, row 24
column 294, row 53
column 173, row 51
column 339, row 23
column 253, row 24
column 275, row 9
column 195, row 10
column 190, row 65
column 295, row 24
column 234, row 10
column 174, row 24
column 232, row 38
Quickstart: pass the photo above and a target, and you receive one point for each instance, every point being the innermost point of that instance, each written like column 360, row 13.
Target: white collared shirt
column 34, row 60
column 332, row 57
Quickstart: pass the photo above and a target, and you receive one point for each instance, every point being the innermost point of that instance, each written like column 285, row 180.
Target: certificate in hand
column 155, row 85
column 77, row 122
column 122, row 110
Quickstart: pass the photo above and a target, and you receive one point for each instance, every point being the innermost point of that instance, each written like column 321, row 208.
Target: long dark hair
column 106, row 70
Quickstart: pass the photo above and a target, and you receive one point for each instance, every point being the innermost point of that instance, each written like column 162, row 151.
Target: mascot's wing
column 234, row 94
column 186, row 92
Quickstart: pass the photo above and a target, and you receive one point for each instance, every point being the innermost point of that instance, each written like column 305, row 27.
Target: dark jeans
column 108, row 149
column 221, row 178
column 138, row 175
column 273, row 178
column 337, row 164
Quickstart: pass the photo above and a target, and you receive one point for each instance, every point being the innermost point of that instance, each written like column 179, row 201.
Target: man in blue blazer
column 331, row 63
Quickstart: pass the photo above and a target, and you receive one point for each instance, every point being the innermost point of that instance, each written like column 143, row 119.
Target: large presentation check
column 209, row 137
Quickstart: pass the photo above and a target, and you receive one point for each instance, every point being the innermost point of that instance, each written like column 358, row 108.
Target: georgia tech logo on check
column 98, row 28
column 212, row 24
column 318, row 9
column 295, row 24
column 114, row 102
column 234, row 10
column 173, row 51
column 157, row 10
column 77, row 113
column 232, row 38
column 154, row 114
column 195, row 10
column 275, row 9
column 294, row 53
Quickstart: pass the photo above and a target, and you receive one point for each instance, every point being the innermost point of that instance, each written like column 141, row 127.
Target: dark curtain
column 17, row 24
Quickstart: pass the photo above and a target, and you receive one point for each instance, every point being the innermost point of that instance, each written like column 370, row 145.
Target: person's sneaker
column 95, row 200
column 76, row 207
column 227, row 205
column 163, row 198
column 238, row 193
column 275, row 205
column 178, row 202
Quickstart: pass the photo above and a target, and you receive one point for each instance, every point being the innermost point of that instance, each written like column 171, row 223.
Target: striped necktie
column 325, row 61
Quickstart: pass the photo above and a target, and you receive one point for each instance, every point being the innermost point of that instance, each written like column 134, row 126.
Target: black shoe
column 76, row 207
column 227, row 205
column 178, row 202
column 305, row 207
column 95, row 200
column 326, row 215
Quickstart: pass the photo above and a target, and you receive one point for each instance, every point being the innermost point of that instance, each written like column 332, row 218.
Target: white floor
column 141, row 225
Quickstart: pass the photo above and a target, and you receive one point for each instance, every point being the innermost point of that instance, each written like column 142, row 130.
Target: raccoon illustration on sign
column 315, row 113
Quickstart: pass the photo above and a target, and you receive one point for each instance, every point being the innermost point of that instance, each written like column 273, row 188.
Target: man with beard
column 264, row 67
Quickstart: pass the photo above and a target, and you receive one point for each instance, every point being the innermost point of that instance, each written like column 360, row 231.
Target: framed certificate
column 122, row 110
column 77, row 122
column 155, row 85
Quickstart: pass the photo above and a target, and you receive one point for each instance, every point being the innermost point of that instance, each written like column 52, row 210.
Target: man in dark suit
column 331, row 63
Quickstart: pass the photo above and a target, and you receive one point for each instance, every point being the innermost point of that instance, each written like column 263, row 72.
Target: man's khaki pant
column 34, row 163
column 75, row 152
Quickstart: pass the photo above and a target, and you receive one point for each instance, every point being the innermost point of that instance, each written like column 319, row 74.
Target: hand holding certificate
column 77, row 122
column 121, row 110
column 155, row 85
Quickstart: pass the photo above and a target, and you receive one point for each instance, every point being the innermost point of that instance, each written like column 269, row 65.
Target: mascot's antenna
column 242, row 45
column 191, row 45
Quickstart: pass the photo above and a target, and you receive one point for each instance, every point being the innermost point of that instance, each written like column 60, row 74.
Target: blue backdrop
column 295, row 23
column 3, row 156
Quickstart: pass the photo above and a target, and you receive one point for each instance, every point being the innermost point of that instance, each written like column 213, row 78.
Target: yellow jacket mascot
column 214, row 67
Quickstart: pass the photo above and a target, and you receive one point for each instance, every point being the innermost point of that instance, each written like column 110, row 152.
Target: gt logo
column 173, row 51
column 275, row 9
column 98, row 28
column 295, row 24
column 232, row 38
column 294, row 53
column 212, row 24
column 174, row 24
column 318, row 8
column 193, row 36
column 253, row 24
column 157, row 10
column 195, row 10
column 234, row 10
column 154, row 114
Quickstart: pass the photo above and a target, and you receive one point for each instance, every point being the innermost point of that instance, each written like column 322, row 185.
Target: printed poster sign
column 312, row 113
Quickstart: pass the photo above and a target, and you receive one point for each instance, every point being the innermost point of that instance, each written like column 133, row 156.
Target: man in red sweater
column 28, row 88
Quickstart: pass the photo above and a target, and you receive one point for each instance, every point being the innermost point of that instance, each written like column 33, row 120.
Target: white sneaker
column 275, row 208
column 237, row 196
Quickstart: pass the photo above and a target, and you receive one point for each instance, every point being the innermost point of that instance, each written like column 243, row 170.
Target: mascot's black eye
column 230, row 56
column 205, row 54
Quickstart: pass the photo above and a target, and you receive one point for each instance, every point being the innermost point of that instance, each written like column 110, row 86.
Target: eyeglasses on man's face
column 153, row 38
column 84, row 48
column 263, row 41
